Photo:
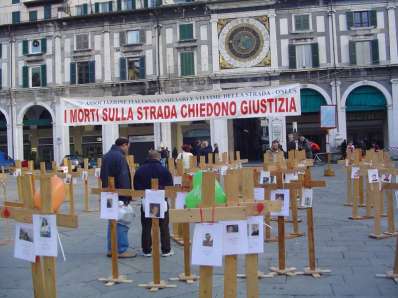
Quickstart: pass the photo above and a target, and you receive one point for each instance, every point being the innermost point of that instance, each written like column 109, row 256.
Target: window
column 364, row 52
column 33, row 16
column 152, row 3
column 82, row 72
column 82, row 42
column 132, row 68
column 16, row 17
column 186, row 32
column 35, row 47
column 303, row 56
column 35, row 77
column 360, row 19
column 126, row 4
column 47, row 11
column 15, row 1
column 81, row 10
column 103, row 7
column 187, row 64
column 133, row 37
column 302, row 22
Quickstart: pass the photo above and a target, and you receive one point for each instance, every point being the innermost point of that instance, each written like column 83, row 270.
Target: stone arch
column 376, row 85
column 319, row 90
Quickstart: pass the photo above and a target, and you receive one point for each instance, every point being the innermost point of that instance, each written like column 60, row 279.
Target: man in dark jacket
column 292, row 144
column 205, row 150
column 152, row 169
column 114, row 164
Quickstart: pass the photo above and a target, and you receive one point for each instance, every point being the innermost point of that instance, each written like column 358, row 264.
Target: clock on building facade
column 244, row 42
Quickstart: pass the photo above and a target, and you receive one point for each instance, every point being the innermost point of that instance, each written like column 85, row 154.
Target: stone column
column 393, row 115
column 166, row 135
column 341, row 132
column 273, row 41
column 58, row 60
column 219, row 134
column 157, row 135
column 107, row 58
column 392, row 33
column 60, row 133
column 110, row 132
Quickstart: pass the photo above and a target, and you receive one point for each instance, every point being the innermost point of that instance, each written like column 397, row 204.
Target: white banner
column 253, row 103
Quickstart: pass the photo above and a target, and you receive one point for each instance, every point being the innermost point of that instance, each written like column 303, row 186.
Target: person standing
column 291, row 142
column 185, row 155
column 304, row 145
column 205, row 150
column 114, row 164
column 152, row 169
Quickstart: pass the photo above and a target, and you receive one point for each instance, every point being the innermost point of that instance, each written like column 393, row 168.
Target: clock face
column 244, row 43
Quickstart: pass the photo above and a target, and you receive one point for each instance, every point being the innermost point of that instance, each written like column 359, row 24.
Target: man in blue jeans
column 114, row 164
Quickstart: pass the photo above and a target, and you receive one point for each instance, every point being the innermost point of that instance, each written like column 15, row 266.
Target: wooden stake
column 156, row 284
column 355, row 215
column 115, row 278
column 349, row 187
column 377, row 196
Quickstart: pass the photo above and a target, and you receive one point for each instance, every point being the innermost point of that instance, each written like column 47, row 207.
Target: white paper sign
column 235, row 241
column 155, row 205
column 45, row 235
column 24, row 248
column 355, row 173
column 306, row 198
column 207, row 244
column 84, row 176
column 17, row 172
column 109, row 205
column 265, row 177
column 97, row 172
column 282, row 195
column 177, row 180
column 223, row 170
column 386, row 178
column 255, row 234
column 180, row 200
column 68, row 179
column 259, row 194
column 373, row 175
column 291, row 177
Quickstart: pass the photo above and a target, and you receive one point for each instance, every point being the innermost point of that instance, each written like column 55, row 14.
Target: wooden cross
column 209, row 212
column 156, row 283
column 182, row 230
column 43, row 270
column 312, row 269
column 115, row 278
column 85, row 177
column 352, row 158
column 282, row 269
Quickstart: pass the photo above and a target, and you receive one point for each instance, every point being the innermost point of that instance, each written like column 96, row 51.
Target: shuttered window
column 16, row 17
column 302, row 22
column 187, row 64
column 33, row 16
column 82, row 42
column 186, row 31
column 47, row 11
column 358, row 19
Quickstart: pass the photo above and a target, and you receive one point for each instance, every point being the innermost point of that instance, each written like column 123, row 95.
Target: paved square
column 341, row 245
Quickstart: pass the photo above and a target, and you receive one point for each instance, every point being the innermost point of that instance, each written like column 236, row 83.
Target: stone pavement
column 341, row 245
